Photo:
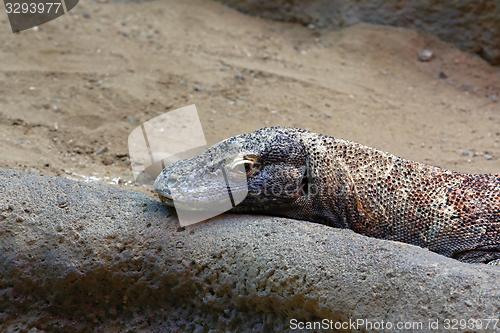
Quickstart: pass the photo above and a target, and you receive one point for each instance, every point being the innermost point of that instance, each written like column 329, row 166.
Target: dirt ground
column 73, row 89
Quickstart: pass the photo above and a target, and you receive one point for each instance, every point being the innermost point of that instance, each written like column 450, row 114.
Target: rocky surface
column 78, row 257
column 472, row 25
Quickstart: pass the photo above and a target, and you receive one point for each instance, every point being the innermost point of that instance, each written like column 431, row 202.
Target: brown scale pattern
column 454, row 214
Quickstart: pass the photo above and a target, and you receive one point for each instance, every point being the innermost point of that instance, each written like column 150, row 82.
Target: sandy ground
column 71, row 91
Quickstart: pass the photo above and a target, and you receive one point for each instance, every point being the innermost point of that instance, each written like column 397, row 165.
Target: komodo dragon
column 303, row 175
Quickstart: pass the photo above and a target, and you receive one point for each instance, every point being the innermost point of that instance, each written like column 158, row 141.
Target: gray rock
column 471, row 25
column 101, row 150
column 111, row 260
column 487, row 156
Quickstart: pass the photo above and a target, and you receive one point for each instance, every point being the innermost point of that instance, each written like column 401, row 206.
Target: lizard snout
column 172, row 181
column 164, row 183
column 169, row 184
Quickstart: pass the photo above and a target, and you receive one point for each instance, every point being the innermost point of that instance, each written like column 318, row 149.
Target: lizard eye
column 251, row 162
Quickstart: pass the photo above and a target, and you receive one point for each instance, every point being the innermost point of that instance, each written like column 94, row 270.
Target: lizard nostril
column 172, row 181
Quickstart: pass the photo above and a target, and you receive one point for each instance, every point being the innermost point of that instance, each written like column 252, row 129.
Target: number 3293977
column 33, row 7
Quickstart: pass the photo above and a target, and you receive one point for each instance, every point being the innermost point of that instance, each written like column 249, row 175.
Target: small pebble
column 101, row 150
column 467, row 152
column 239, row 77
column 488, row 157
column 107, row 160
column 425, row 55
column 133, row 120
column 443, row 75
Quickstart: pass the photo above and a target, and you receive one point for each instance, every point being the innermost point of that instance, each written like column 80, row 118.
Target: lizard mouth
column 193, row 206
column 169, row 201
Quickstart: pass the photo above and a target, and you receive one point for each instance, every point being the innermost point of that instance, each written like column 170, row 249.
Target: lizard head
column 268, row 165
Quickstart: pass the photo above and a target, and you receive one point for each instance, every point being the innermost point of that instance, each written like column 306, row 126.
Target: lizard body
column 303, row 175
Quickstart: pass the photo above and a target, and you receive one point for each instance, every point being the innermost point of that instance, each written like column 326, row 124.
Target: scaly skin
column 303, row 175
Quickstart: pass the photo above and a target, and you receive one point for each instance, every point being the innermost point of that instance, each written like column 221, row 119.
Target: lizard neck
column 369, row 190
